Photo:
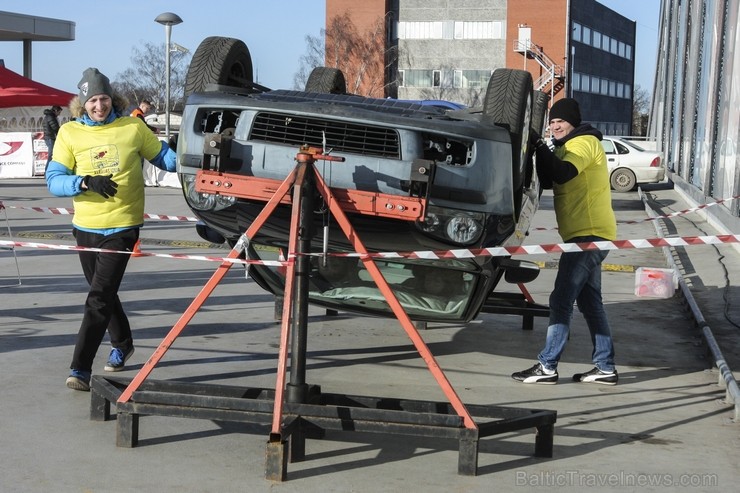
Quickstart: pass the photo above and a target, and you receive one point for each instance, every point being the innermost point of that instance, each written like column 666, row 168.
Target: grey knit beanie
column 93, row 83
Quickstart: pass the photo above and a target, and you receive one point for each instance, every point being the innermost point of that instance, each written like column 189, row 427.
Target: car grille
column 340, row 136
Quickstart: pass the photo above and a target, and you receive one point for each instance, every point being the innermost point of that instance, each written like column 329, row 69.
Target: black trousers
column 103, row 310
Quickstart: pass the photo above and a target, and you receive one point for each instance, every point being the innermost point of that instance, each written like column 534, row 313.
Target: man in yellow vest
column 577, row 173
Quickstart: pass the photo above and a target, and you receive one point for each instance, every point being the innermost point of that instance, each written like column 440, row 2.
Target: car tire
column 508, row 103
column 219, row 60
column 622, row 180
column 539, row 109
column 538, row 124
column 326, row 80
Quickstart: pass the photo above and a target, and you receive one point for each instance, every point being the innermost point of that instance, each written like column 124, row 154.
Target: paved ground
column 665, row 427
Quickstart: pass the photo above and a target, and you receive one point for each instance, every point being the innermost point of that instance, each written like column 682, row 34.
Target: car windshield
column 438, row 290
column 632, row 145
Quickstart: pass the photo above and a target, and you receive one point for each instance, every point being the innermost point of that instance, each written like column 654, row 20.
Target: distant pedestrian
column 97, row 161
column 578, row 174
column 141, row 111
column 50, row 127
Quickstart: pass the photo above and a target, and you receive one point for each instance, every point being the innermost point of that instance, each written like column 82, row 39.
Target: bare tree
column 640, row 111
column 314, row 57
column 362, row 56
column 146, row 79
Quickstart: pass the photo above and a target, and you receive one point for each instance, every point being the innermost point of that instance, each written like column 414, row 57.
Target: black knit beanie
column 92, row 84
column 566, row 109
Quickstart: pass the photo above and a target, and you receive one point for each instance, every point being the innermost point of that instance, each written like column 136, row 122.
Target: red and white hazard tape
column 666, row 216
column 178, row 256
column 64, row 211
column 160, row 217
column 552, row 248
column 433, row 254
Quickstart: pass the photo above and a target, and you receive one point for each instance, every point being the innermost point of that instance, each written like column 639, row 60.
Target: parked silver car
column 630, row 165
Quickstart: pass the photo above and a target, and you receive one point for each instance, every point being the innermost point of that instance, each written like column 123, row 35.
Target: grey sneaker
column 79, row 380
column 595, row 375
column 536, row 374
column 117, row 359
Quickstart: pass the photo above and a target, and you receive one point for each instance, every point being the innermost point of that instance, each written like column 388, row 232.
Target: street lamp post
column 168, row 19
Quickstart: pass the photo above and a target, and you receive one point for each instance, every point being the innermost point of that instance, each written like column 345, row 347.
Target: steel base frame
column 296, row 410
column 323, row 411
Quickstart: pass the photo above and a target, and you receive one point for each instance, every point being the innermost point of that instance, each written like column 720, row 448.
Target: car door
column 612, row 157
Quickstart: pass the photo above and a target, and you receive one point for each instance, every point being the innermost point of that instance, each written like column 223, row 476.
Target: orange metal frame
column 339, row 202
column 351, row 201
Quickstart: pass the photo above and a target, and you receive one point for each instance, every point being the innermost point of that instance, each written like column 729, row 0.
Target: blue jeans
column 578, row 280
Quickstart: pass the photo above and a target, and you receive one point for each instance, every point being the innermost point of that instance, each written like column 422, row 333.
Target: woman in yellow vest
column 97, row 161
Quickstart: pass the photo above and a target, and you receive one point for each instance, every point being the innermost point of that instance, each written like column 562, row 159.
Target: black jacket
column 50, row 125
column 552, row 169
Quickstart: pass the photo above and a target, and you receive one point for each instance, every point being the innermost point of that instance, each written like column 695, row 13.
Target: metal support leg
column 544, row 440
column 127, row 430
column 297, row 389
column 99, row 406
column 276, row 458
column 467, row 461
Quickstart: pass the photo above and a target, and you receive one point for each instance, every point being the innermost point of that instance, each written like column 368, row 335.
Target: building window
column 401, row 78
column 586, row 36
column 475, row 78
column 576, row 32
column 457, row 78
column 421, row 30
column 436, row 78
column 417, row 78
column 601, row 41
column 479, row 30
column 585, row 83
column 614, row 47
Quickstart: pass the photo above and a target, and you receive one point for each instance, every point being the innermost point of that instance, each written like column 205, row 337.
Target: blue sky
column 274, row 31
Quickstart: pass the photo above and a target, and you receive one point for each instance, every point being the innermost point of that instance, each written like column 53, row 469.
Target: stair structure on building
column 552, row 79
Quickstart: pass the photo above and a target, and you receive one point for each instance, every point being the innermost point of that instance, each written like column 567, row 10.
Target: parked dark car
column 482, row 192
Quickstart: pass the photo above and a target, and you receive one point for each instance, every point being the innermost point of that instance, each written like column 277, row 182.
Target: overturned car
column 471, row 169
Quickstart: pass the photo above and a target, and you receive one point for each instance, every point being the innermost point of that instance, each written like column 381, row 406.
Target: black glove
column 535, row 140
column 543, row 161
column 101, row 184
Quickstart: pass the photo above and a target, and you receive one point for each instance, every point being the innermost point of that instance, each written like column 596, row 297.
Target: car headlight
column 451, row 225
column 463, row 229
column 204, row 201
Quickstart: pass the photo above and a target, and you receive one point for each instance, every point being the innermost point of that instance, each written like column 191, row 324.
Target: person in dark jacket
column 141, row 111
column 51, row 128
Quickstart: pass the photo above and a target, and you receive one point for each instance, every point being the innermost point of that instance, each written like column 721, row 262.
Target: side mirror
column 519, row 271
